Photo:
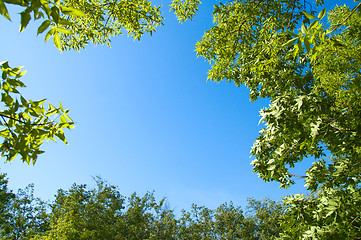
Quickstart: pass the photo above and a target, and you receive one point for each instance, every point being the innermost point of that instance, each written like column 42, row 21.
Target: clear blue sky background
column 146, row 118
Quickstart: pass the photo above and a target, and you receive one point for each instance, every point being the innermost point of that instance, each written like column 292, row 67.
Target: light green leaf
column 290, row 42
column 71, row 11
column 314, row 24
column 63, row 30
column 61, row 107
column 322, row 13
column 49, row 34
column 56, row 40
column 63, row 119
column 4, row 133
column 309, row 16
column 303, row 28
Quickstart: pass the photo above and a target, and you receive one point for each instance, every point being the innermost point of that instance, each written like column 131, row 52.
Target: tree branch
column 7, row 125
column 20, row 121
column 295, row 175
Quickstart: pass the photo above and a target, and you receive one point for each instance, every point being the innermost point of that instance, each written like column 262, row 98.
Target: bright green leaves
column 246, row 43
column 99, row 21
column 185, row 9
column 4, row 10
column 331, row 214
column 309, row 37
column 54, row 11
column 26, row 124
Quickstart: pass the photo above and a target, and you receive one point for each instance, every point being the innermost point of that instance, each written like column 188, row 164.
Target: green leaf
column 4, row 133
column 23, row 101
column 322, row 13
column 307, row 44
column 292, row 34
column 25, row 18
column 64, row 22
column 313, row 24
column 43, row 26
column 3, row 10
column 49, row 34
column 46, row 8
column 63, row 30
column 290, row 42
column 61, row 136
column 56, row 40
column 303, row 28
column 309, row 16
column 71, row 11
column 61, row 107
column 55, row 14
column 299, row 44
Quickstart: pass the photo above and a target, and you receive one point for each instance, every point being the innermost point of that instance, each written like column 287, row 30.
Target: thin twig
column 295, row 175
column 21, row 121
column 111, row 12
column 240, row 28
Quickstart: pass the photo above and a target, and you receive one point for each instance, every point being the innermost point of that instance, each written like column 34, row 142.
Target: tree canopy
column 310, row 72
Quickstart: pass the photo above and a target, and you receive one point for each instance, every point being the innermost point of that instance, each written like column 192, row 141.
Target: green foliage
column 6, row 197
column 185, row 9
column 26, row 124
column 103, row 213
column 27, row 216
column 85, row 214
column 73, row 24
column 260, row 221
column 311, row 75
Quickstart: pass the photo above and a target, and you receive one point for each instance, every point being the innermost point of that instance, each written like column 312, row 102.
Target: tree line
column 102, row 212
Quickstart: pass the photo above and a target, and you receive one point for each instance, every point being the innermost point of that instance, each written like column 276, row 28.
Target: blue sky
column 146, row 118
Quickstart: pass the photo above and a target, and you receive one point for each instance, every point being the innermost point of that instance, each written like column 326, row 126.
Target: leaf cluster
column 26, row 124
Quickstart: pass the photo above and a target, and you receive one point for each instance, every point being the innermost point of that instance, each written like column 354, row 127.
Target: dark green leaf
column 307, row 44
column 55, row 14
column 25, row 18
column 43, row 26
column 3, row 10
